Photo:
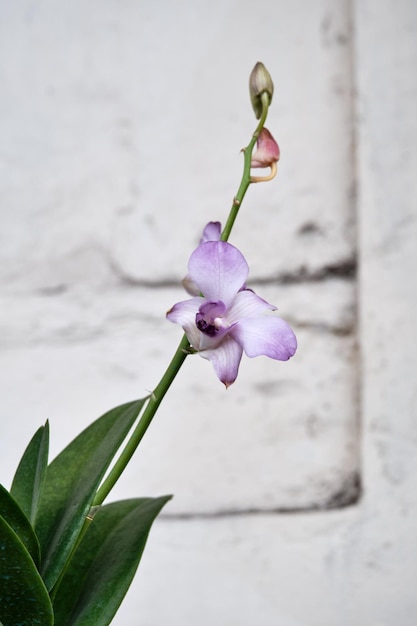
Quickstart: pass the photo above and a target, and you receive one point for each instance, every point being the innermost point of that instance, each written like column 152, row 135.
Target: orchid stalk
column 148, row 414
column 261, row 96
column 246, row 176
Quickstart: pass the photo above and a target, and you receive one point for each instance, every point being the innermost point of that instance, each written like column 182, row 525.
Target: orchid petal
column 189, row 286
column 212, row 343
column 225, row 360
column 219, row 269
column 211, row 232
column 247, row 304
column 267, row 335
column 184, row 313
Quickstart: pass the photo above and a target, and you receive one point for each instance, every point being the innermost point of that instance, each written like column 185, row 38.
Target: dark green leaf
column 105, row 563
column 24, row 600
column 71, row 482
column 17, row 520
column 30, row 474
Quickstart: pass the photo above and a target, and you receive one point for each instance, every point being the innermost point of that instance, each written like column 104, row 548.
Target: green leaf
column 71, row 482
column 17, row 520
column 24, row 600
column 105, row 563
column 30, row 474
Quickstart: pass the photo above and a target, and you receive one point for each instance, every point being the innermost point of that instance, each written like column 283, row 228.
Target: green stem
column 184, row 347
column 154, row 401
column 245, row 182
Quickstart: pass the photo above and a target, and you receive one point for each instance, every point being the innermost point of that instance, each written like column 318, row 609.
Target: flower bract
column 228, row 319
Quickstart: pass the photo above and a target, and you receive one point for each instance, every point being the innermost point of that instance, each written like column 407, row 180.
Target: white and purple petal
column 247, row 304
column 225, row 360
column 184, row 313
column 267, row 335
column 190, row 287
column 211, row 232
column 219, row 270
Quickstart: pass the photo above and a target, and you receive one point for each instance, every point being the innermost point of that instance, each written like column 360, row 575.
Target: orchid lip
column 209, row 318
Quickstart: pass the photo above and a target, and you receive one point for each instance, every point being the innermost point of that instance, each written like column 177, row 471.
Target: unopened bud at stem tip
column 260, row 82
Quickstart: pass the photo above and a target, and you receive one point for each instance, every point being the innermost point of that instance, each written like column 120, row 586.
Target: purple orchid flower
column 229, row 319
column 211, row 232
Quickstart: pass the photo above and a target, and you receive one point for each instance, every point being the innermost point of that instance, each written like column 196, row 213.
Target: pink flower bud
column 267, row 150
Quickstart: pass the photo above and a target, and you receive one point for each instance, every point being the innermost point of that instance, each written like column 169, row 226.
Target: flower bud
column 267, row 150
column 260, row 82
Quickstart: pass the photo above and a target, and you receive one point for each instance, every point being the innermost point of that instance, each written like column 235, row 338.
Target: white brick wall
column 121, row 125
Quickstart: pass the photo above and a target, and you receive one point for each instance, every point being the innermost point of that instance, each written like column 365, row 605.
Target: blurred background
column 121, row 126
